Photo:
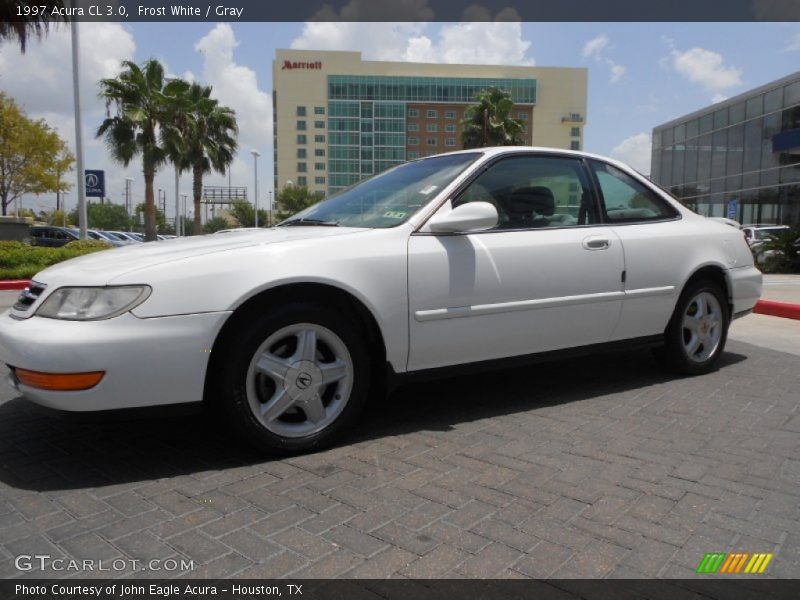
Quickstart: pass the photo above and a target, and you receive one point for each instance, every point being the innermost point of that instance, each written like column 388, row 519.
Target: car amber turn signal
column 62, row 382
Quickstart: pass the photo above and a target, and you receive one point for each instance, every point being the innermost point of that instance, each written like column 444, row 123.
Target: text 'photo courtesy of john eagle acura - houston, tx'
column 468, row 258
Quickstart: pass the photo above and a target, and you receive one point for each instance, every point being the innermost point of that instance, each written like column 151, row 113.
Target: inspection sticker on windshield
column 394, row 214
column 428, row 190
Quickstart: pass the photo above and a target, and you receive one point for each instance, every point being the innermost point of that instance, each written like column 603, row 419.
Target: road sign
column 733, row 209
column 95, row 184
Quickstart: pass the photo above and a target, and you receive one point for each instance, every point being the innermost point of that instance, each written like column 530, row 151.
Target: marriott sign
column 289, row 65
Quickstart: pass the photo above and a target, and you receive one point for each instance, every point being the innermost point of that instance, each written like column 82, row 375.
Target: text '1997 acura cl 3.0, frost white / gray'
column 469, row 258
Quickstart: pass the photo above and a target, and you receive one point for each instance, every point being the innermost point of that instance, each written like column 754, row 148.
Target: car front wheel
column 696, row 335
column 295, row 379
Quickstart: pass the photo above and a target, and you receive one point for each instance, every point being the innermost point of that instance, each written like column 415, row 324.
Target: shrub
column 20, row 261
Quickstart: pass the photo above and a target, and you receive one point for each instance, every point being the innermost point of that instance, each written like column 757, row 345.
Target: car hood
column 101, row 267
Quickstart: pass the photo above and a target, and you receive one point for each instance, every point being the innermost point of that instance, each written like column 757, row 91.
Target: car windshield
column 390, row 198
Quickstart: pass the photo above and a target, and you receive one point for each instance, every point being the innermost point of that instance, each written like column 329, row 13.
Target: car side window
column 534, row 192
column 625, row 200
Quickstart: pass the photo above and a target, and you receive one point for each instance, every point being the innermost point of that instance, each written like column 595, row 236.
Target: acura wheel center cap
column 303, row 380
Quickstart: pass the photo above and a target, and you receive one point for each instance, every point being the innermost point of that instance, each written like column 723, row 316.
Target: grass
column 21, row 261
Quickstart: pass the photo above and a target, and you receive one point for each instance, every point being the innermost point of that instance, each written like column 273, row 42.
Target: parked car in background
column 461, row 261
column 127, row 235
column 758, row 233
column 93, row 234
column 51, row 236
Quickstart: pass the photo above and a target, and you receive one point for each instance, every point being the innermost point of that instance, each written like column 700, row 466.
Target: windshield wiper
column 309, row 223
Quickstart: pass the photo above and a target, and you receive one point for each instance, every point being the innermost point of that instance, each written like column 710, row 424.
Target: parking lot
column 595, row 467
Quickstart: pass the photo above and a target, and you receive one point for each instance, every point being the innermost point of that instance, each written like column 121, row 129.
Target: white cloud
column 705, row 67
column 595, row 46
column 462, row 43
column 237, row 86
column 794, row 43
column 716, row 98
column 635, row 151
column 617, row 72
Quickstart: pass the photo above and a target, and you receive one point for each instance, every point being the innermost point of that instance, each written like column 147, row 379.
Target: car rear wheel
column 696, row 335
column 295, row 379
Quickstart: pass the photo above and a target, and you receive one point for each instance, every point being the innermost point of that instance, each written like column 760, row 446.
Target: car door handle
column 596, row 243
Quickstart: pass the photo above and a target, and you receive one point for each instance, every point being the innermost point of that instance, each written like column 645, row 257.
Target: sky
column 640, row 75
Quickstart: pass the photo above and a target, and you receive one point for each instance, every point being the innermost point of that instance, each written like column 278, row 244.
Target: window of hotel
column 319, row 180
column 574, row 145
column 301, row 139
column 413, row 154
column 432, row 128
column 319, row 110
column 301, row 153
column 449, row 114
column 450, row 142
column 413, row 112
column 319, row 166
column 576, row 132
column 433, row 114
column 450, row 128
column 413, row 126
column 773, row 100
column 319, row 139
column 413, row 141
column 319, row 124
column 302, row 181
column 301, row 111
column 302, row 167
column 319, row 152
column 431, row 141
column 301, row 125
column 523, row 116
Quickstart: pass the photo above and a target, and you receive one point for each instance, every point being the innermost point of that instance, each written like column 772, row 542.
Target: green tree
column 489, row 121
column 104, row 216
column 36, row 23
column 161, row 217
column 32, row 155
column 294, row 198
column 139, row 125
column 203, row 138
column 215, row 224
column 783, row 248
column 244, row 213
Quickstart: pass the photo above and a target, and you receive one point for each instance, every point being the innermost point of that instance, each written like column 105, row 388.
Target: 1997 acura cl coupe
column 455, row 259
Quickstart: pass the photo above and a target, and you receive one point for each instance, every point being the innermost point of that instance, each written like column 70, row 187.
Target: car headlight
column 92, row 303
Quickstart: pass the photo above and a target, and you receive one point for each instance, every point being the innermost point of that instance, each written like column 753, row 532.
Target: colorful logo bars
column 737, row 562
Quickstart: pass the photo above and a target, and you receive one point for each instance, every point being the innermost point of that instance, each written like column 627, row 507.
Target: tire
column 294, row 379
column 695, row 337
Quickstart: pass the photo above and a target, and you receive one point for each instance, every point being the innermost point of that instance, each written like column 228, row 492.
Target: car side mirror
column 472, row 216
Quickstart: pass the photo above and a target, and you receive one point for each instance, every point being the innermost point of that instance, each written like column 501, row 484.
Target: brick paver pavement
column 597, row 467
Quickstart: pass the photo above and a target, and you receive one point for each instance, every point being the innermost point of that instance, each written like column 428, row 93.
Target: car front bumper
column 147, row 362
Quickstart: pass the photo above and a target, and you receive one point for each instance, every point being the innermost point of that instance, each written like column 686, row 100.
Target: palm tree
column 202, row 137
column 489, row 122
column 33, row 24
column 137, row 126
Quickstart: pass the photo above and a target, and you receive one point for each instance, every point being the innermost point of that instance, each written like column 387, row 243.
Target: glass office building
column 338, row 119
column 739, row 158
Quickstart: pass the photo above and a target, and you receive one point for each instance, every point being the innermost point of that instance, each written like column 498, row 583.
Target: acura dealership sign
column 95, row 184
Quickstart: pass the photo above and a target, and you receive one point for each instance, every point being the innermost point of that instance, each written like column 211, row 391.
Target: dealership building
column 739, row 158
column 338, row 118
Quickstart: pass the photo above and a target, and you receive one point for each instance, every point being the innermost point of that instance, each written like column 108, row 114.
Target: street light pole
column 183, row 215
column 128, row 183
column 78, row 128
column 271, row 219
column 255, row 154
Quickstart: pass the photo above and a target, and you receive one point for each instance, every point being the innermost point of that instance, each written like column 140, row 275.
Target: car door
column 657, row 247
column 547, row 277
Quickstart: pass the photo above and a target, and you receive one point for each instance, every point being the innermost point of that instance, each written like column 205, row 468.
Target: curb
column 14, row 284
column 777, row 309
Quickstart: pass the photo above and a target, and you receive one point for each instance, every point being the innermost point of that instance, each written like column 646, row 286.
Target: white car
column 472, row 258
